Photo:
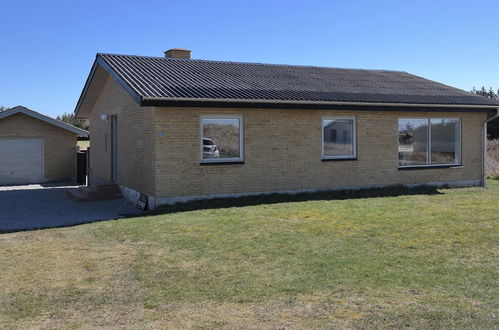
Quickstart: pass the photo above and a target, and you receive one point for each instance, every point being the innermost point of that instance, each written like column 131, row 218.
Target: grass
column 84, row 145
column 414, row 258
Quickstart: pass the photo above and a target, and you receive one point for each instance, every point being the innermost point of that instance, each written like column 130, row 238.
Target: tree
column 493, row 126
column 69, row 118
column 487, row 93
column 2, row 108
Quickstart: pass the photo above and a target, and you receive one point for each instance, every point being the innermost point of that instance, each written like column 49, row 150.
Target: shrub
column 493, row 159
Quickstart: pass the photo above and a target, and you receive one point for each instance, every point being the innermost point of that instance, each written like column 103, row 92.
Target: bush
column 493, row 159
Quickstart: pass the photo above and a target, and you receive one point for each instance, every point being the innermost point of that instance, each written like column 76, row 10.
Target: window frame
column 239, row 159
column 352, row 156
column 428, row 144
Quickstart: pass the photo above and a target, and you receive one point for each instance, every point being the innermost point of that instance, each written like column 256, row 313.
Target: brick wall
column 158, row 150
column 135, row 140
column 59, row 144
column 283, row 152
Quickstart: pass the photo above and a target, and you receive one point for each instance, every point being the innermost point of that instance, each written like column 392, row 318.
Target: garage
column 35, row 148
column 21, row 161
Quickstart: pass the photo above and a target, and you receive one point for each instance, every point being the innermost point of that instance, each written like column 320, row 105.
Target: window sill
column 427, row 167
column 221, row 163
column 338, row 159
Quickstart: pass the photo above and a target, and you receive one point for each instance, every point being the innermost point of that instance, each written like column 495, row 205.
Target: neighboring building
column 35, row 148
column 177, row 129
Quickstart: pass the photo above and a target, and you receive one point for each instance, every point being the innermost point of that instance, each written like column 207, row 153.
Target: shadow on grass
column 275, row 198
column 219, row 203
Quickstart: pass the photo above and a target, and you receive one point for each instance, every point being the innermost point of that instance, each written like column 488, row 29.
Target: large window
column 221, row 139
column 338, row 138
column 427, row 142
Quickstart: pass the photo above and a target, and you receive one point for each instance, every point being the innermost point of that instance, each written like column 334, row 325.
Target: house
column 35, row 148
column 176, row 129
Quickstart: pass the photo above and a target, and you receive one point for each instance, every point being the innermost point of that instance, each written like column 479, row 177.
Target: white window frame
column 428, row 143
column 354, row 138
column 241, row 139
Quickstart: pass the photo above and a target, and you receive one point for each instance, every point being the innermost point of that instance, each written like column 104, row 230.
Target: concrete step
column 98, row 193
column 109, row 188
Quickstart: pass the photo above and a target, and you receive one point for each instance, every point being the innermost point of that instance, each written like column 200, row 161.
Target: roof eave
column 99, row 61
column 284, row 104
column 119, row 79
column 85, row 88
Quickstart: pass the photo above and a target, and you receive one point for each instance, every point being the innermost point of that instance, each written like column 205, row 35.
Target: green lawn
column 417, row 261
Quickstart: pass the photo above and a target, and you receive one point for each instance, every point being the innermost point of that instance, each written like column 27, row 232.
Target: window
column 338, row 138
column 445, row 141
column 427, row 142
column 221, row 139
column 413, row 142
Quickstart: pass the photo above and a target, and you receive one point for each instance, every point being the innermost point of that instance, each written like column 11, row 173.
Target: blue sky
column 48, row 47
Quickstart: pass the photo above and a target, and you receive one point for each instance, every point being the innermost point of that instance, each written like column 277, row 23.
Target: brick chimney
column 178, row 53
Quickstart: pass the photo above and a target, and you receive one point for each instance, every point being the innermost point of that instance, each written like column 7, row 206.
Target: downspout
column 485, row 141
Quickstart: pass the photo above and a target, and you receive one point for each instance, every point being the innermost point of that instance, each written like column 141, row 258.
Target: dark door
column 81, row 167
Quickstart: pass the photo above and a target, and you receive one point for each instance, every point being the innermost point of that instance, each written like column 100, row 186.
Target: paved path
column 37, row 206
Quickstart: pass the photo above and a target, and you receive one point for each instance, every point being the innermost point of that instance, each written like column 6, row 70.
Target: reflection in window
column 413, row 141
column 419, row 138
column 221, row 139
column 444, row 141
column 338, row 138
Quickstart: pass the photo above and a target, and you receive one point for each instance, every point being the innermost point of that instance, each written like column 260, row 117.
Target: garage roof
column 34, row 114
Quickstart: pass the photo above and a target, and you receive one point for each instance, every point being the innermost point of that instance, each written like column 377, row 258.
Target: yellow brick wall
column 282, row 151
column 59, row 144
column 135, row 140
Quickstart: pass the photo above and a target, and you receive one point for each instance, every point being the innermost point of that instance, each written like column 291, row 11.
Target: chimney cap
column 181, row 53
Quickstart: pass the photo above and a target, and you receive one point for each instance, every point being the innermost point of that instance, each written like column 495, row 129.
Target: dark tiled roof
column 158, row 78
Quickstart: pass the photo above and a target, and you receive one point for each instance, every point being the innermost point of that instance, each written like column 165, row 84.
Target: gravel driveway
column 37, row 206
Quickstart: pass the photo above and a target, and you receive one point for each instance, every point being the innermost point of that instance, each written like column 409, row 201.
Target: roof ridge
column 20, row 106
column 251, row 63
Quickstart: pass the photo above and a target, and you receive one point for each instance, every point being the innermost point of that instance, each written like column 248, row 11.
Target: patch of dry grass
column 84, row 145
column 493, row 158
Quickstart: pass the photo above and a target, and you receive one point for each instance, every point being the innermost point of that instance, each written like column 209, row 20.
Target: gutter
column 148, row 100
column 485, row 141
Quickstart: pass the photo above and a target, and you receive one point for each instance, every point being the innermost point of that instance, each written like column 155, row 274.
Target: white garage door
column 21, row 161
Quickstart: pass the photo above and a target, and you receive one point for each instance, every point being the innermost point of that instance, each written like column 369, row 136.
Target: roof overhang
column 99, row 72
column 282, row 104
column 39, row 116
